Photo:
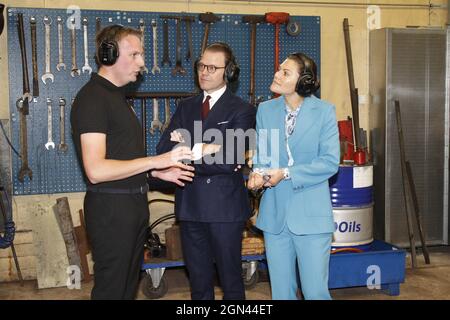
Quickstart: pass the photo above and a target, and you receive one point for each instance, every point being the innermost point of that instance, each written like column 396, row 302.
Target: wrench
column 178, row 67
column 75, row 71
column 23, row 52
column 34, row 56
column 166, row 114
column 166, row 58
column 155, row 68
column 155, row 124
column 86, row 66
column 142, row 28
column 98, row 25
column 48, row 74
column 24, row 170
column 61, row 63
column 62, row 125
column 50, row 143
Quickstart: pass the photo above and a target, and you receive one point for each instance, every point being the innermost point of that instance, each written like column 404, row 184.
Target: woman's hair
column 307, row 83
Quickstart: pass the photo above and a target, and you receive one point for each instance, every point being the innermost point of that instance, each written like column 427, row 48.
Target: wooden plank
column 22, row 250
column 51, row 255
column 81, row 238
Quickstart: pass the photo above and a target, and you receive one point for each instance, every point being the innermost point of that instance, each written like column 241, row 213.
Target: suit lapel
column 305, row 121
column 218, row 111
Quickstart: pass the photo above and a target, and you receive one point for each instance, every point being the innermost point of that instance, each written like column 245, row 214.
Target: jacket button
column 208, row 181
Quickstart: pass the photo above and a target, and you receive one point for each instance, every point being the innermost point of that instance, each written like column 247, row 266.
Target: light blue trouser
column 312, row 253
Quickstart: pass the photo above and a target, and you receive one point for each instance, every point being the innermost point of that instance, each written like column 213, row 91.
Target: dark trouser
column 116, row 225
column 204, row 243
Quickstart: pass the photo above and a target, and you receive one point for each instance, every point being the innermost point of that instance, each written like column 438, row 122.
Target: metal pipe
column 357, row 4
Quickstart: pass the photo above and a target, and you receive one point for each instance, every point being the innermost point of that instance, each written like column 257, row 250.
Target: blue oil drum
column 351, row 192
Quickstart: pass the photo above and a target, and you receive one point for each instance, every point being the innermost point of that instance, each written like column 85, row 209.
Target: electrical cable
column 8, row 141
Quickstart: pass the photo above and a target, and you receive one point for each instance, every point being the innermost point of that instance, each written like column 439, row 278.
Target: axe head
column 208, row 17
column 277, row 17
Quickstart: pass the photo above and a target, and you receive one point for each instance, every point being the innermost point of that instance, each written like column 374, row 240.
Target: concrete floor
column 424, row 282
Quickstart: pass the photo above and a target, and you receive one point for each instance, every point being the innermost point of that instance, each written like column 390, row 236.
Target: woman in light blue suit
column 297, row 152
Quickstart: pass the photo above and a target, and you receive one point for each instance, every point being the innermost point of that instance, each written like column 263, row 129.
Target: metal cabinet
column 410, row 65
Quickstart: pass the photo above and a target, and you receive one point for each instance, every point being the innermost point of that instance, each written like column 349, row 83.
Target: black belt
column 141, row 189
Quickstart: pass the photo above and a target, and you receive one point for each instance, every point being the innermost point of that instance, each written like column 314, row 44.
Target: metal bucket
column 351, row 192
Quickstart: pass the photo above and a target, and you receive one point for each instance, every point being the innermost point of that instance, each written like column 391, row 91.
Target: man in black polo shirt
column 108, row 140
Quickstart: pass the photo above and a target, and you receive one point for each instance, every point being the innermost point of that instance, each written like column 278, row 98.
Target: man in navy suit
column 213, row 209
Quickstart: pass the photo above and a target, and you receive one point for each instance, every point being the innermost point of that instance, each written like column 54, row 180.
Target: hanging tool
column 293, row 28
column 359, row 152
column 24, row 169
column 401, row 143
column 155, row 68
column 26, row 96
column 207, row 19
column 253, row 20
column 190, row 52
column 156, row 123
column 61, row 64
column 178, row 66
column 277, row 19
column 166, row 114
column 62, row 125
column 86, row 66
column 142, row 28
column 98, row 25
column 34, row 56
column 48, row 74
column 166, row 58
column 73, row 41
column 50, row 143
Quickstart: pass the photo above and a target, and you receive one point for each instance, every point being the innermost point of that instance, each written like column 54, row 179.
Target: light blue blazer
column 303, row 202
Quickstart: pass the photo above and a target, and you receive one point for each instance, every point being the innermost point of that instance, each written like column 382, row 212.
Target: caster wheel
column 151, row 292
column 251, row 283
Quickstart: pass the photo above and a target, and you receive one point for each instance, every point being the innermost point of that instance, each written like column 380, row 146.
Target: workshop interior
column 385, row 66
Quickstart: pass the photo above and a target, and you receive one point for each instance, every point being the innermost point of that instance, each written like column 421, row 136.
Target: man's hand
column 173, row 158
column 210, row 148
column 175, row 136
column 175, row 175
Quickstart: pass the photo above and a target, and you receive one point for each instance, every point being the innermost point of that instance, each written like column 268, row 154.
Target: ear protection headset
column 108, row 50
column 232, row 69
column 307, row 83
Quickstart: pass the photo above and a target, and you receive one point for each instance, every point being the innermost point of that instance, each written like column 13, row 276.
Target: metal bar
column 412, row 243
column 341, row 3
column 412, row 189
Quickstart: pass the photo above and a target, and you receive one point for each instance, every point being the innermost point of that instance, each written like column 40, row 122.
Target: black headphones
column 108, row 50
column 307, row 83
column 232, row 69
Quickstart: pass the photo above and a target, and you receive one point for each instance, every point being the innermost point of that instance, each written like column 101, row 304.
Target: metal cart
column 154, row 284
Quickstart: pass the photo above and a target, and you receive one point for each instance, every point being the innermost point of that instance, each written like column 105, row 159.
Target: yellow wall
column 334, row 68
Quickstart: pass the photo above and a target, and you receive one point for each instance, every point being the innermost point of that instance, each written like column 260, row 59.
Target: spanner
column 86, row 66
column 166, row 114
column 178, row 67
column 62, row 125
column 61, row 63
column 75, row 71
column 23, row 52
column 155, row 124
column 48, row 74
column 50, row 143
column 34, row 56
column 24, row 169
column 142, row 28
column 155, row 68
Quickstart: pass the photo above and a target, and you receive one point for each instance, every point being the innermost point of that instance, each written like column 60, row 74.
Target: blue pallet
column 354, row 269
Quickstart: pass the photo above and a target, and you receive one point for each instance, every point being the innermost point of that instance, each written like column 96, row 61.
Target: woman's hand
column 276, row 175
column 175, row 136
column 210, row 148
column 255, row 181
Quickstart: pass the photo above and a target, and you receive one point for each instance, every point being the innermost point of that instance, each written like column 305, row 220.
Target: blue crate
column 355, row 269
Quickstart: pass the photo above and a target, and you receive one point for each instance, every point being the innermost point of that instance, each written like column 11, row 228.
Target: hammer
column 207, row 18
column 253, row 21
column 277, row 18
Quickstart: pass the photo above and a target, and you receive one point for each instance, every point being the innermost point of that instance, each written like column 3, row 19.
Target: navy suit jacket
column 217, row 193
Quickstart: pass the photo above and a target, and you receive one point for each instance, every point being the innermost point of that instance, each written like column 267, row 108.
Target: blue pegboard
column 56, row 172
